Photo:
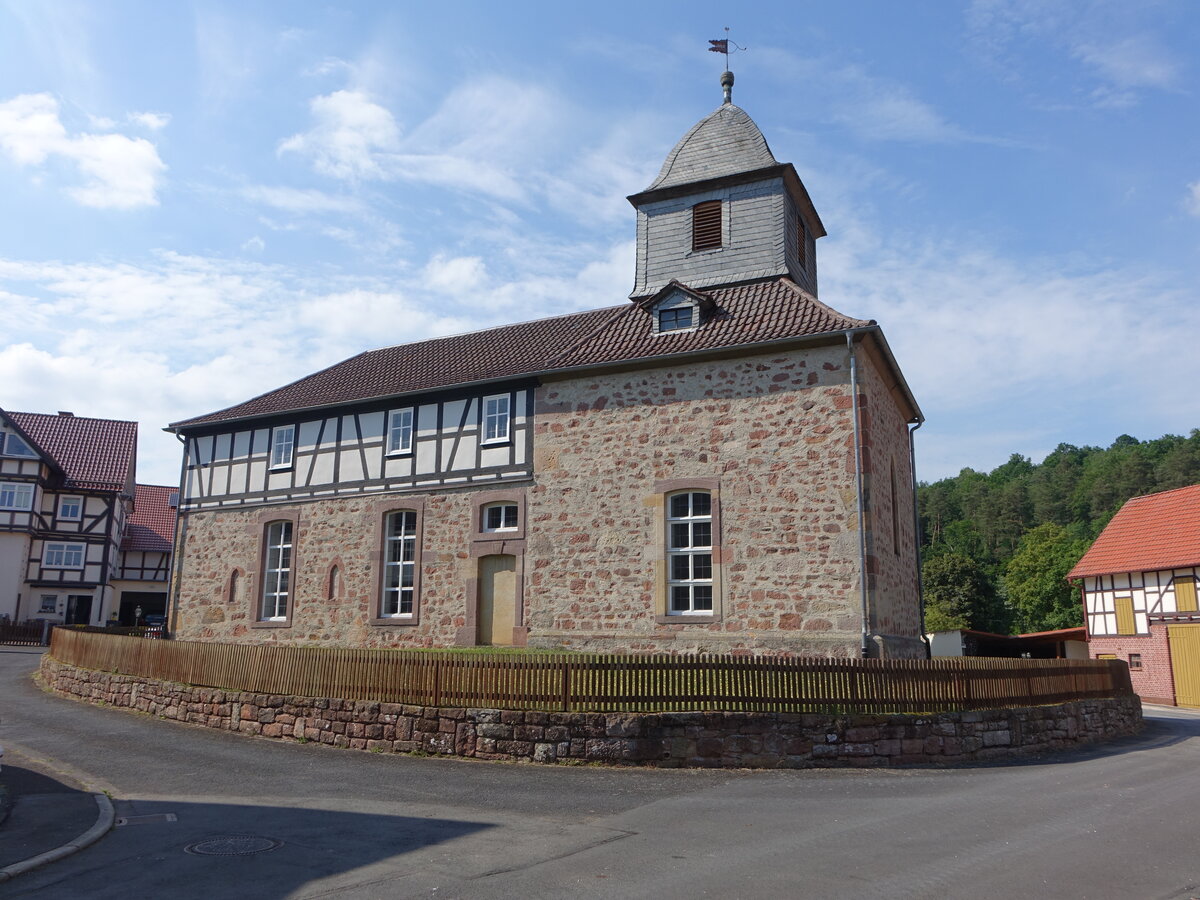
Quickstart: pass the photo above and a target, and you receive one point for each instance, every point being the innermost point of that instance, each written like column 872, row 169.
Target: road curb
column 104, row 822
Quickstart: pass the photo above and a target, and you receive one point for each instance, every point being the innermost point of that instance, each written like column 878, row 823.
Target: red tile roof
column 1157, row 531
column 93, row 454
column 151, row 525
column 746, row 314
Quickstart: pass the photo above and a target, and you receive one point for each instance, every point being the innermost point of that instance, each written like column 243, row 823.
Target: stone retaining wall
column 709, row 739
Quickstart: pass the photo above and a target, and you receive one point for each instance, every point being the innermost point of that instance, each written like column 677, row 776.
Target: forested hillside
column 997, row 545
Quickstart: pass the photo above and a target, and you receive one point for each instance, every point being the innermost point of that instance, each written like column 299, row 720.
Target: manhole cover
column 233, row 845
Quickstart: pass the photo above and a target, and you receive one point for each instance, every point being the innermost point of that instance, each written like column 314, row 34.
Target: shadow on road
column 40, row 812
column 204, row 850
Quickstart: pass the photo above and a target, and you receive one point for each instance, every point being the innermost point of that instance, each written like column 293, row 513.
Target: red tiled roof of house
column 151, row 525
column 1157, row 531
column 747, row 314
column 93, row 454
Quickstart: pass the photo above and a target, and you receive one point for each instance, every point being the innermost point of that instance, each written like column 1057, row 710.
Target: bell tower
column 723, row 210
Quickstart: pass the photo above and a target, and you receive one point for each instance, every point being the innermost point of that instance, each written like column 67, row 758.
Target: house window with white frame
column 496, row 418
column 16, row 495
column 277, row 572
column 70, row 508
column 63, row 556
column 283, row 443
column 500, row 517
column 14, row 445
column 400, row 431
column 399, row 566
column 689, row 553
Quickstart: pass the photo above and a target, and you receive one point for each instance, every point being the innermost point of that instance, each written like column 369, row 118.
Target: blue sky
column 202, row 202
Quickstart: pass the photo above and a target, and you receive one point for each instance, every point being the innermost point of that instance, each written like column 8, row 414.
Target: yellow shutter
column 1125, row 623
column 1185, row 594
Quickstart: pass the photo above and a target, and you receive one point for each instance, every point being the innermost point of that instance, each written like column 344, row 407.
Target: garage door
column 1185, row 663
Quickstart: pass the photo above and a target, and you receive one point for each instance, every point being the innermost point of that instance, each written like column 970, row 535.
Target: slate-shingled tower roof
column 725, row 142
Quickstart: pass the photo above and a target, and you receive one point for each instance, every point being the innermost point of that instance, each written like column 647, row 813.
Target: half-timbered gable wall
column 20, row 470
column 1124, row 603
column 144, row 565
column 349, row 452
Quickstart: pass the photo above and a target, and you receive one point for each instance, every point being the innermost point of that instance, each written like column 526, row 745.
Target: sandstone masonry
column 695, row 739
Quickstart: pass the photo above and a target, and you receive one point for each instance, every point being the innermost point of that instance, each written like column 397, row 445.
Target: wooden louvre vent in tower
column 706, row 225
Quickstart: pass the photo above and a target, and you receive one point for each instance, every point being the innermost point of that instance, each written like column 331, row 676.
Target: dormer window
column 677, row 308
column 801, row 243
column 706, row 225
column 680, row 318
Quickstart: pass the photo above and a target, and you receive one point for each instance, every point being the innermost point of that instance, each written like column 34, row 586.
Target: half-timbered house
column 66, row 490
column 1138, row 586
column 144, row 566
column 722, row 462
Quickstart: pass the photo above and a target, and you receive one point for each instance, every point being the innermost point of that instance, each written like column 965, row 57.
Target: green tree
column 1035, row 579
column 959, row 594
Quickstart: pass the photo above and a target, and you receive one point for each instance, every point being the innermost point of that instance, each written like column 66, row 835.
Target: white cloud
column 491, row 137
column 874, row 108
column 460, row 273
column 254, row 245
column 301, row 200
column 349, row 134
column 120, row 172
column 175, row 336
column 887, row 111
column 1117, row 43
column 1133, row 61
column 1040, row 348
column 1191, row 201
column 152, row 120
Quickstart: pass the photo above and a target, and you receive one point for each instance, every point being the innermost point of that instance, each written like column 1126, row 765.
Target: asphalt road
column 1118, row 822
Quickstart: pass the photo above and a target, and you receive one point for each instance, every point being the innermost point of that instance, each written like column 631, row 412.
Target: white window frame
column 63, row 502
column 283, row 436
column 17, row 489
column 57, row 555
column 399, row 566
column 688, row 554
column 501, row 507
column 25, row 451
column 277, row 568
column 402, row 425
column 497, row 422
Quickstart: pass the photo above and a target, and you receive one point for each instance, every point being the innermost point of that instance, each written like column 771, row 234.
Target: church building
column 721, row 463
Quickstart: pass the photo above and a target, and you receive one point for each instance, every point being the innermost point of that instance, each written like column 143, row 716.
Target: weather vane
column 722, row 46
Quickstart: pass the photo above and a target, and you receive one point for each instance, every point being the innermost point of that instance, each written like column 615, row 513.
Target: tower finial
column 722, row 46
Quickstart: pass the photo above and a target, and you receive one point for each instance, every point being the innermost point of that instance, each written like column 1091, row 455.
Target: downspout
column 177, row 542
column 858, row 478
column 912, row 464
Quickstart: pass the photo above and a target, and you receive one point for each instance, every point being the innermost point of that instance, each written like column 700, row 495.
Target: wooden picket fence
column 29, row 634
column 572, row 682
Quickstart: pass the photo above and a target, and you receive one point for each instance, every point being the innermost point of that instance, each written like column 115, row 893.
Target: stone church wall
column 770, row 435
column 891, row 545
